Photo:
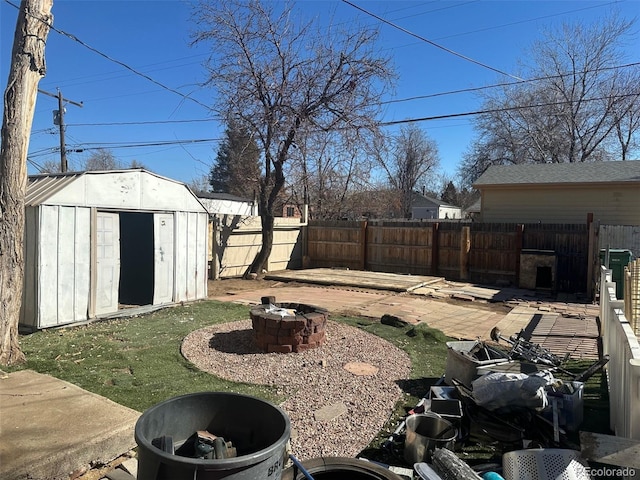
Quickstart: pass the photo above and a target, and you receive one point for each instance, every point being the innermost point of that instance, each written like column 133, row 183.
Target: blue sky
column 122, row 109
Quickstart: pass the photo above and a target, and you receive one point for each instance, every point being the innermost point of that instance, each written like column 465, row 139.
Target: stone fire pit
column 301, row 328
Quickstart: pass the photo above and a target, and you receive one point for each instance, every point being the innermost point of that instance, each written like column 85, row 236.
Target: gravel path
column 313, row 381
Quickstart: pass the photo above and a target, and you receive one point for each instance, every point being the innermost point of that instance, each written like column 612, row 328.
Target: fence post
column 519, row 242
column 590, row 255
column 435, row 244
column 215, row 249
column 465, row 247
column 363, row 245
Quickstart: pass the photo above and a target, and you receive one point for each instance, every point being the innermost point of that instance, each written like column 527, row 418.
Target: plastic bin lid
column 425, row 472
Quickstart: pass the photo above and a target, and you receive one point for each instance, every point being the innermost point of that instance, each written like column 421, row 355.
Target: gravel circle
column 314, row 382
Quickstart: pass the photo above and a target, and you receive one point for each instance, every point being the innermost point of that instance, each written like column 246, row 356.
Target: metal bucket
column 258, row 429
column 340, row 468
column 426, row 432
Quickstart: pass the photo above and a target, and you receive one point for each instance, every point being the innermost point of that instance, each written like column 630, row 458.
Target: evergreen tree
column 450, row 194
column 236, row 170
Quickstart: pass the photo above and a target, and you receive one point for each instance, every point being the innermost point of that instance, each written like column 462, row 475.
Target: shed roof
column 559, row 173
column 129, row 188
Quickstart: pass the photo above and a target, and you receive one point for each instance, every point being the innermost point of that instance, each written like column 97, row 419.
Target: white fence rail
column 632, row 294
column 623, row 369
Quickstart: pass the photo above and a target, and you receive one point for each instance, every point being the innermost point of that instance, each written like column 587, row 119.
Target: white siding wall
column 612, row 205
column 452, row 213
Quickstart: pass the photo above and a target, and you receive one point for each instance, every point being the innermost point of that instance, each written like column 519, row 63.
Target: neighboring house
column 473, row 210
column 423, row 207
column 227, row 204
column 561, row 193
column 290, row 210
column 99, row 242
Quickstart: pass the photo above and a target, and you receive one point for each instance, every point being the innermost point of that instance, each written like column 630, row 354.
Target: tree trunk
column 27, row 68
column 256, row 267
column 268, row 197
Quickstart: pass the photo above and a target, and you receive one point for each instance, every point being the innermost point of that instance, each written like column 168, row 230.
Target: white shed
column 227, row 204
column 97, row 243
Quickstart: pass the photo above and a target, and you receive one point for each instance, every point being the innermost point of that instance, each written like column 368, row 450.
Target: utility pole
column 58, row 119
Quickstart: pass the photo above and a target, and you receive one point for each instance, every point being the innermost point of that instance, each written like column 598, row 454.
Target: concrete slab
column 329, row 412
column 355, row 278
column 49, row 427
column 457, row 321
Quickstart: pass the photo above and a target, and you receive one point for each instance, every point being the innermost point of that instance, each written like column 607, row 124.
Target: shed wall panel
column 190, row 267
column 48, row 267
column 29, row 306
column 164, row 258
column 191, row 260
column 201, row 254
column 107, row 262
column 181, row 255
column 66, row 267
column 82, row 263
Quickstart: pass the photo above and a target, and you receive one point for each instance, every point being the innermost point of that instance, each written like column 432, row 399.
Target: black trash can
column 258, row 429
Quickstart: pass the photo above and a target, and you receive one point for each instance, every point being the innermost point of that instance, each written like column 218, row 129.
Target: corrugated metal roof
column 41, row 187
column 557, row 173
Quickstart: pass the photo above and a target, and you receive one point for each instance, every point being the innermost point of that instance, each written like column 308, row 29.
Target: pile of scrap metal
column 500, row 400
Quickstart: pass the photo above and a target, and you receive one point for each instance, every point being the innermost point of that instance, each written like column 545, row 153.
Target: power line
column 142, row 122
column 505, row 84
column 386, row 102
column 158, row 143
column 448, row 50
column 118, row 62
column 498, row 110
column 95, row 146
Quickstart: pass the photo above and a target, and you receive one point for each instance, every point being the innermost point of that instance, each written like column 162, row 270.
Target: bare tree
column 627, row 115
column 27, row 68
column 413, row 159
column 102, row 159
column 326, row 170
column 50, row 166
column 581, row 104
column 277, row 77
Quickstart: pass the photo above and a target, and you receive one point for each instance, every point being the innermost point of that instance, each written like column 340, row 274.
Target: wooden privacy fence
column 490, row 253
column 236, row 239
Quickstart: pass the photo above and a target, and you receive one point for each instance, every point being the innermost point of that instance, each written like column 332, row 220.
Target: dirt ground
column 217, row 288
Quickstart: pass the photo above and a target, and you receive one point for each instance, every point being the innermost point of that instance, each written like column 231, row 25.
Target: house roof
column 419, row 200
column 222, row 196
column 559, row 173
column 475, row 207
